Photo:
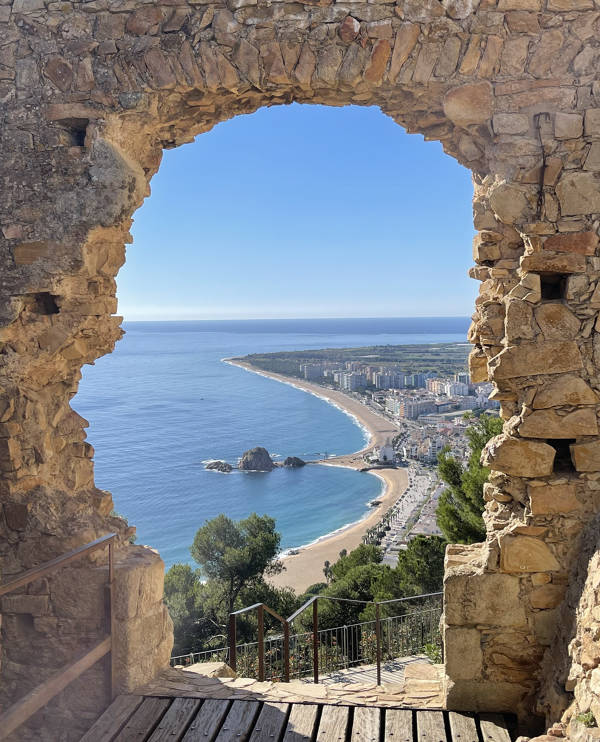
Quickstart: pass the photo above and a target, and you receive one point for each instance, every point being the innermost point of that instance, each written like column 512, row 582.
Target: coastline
column 306, row 567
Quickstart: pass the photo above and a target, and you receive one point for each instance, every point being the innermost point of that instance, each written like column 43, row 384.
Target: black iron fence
column 281, row 655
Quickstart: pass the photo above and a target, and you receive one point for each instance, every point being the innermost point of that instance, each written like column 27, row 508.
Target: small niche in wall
column 562, row 460
column 76, row 130
column 42, row 303
column 553, row 285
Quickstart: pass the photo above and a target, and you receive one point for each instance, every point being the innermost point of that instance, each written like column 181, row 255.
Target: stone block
column 547, row 596
column 544, row 626
column 549, row 424
column 509, row 202
column 592, row 122
column 547, row 262
column 489, row 599
column 79, row 592
column 556, row 321
column 526, row 554
column 469, row 104
column 568, row 125
column 212, row 669
column 592, row 161
column 478, row 368
column 16, row 515
column 34, row 605
column 463, row 655
column 578, row 193
column 531, row 359
column 586, row 456
column 521, row 458
column 518, row 324
column 553, row 499
column 484, row 695
column 510, row 123
column 139, row 580
column 565, row 390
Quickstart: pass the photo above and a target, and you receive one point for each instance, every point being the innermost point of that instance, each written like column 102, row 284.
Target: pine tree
column 460, row 508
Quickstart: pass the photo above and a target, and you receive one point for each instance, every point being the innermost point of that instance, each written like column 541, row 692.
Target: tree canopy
column 460, row 508
column 236, row 553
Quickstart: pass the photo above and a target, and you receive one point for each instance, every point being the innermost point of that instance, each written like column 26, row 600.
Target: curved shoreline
column 306, row 567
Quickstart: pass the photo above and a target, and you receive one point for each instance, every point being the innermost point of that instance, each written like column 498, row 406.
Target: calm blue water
column 164, row 402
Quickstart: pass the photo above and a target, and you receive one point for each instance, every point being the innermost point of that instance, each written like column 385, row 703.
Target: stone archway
column 91, row 94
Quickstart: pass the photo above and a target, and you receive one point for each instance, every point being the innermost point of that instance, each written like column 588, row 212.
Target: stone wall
column 92, row 92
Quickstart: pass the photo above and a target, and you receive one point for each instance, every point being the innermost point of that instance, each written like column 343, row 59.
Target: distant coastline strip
column 305, row 567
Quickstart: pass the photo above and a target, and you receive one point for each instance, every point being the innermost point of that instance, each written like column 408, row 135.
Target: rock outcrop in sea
column 256, row 459
column 221, row 466
column 294, row 462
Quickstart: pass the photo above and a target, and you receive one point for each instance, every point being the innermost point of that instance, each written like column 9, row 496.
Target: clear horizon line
column 303, row 319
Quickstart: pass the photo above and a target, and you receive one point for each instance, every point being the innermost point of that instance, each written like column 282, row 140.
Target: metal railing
column 323, row 651
column 24, row 709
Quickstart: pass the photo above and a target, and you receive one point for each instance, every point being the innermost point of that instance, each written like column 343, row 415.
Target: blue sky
column 302, row 211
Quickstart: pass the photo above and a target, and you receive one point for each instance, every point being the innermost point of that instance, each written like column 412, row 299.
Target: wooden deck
column 153, row 719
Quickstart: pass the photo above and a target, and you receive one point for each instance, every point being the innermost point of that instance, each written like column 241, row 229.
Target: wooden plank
column 111, row 721
column 141, row 725
column 463, row 727
column 333, row 724
column 175, row 722
column 430, row 726
column 493, row 728
column 271, row 722
column 398, row 725
column 301, row 724
column 238, row 722
column 22, row 710
column 208, row 721
column 365, row 726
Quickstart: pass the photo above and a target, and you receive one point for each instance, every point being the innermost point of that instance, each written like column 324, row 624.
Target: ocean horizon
column 164, row 403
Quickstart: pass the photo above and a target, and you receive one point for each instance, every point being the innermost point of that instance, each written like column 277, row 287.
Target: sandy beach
column 306, row 567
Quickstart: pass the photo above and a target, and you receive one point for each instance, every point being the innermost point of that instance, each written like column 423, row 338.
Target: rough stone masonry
column 91, row 93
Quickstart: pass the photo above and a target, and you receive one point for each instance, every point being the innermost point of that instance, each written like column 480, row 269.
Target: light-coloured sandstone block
column 526, row 554
column 584, row 243
column 547, row 262
column 509, row 202
column 469, row 104
column 586, row 456
column 553, row 499
column 547, row 596
column 490, row 599
column 521, row 458
column 532, row 359
column 556, row 321
column 568, row 125
column 565, row 390
column 549, row 424
column 463, row 658
column 578, row 193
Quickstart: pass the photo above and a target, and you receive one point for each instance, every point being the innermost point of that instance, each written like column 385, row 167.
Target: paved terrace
column 420, row 687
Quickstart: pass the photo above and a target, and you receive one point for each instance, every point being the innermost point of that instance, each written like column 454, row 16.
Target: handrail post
column 232, row 643
column 315, row 627
column 109, row 661
column 261, row 643
column 378, row 635
column 286, row 652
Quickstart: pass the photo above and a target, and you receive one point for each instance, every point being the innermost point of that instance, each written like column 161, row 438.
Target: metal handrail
column 286, row 623
column 24, row 709
column 261, row 608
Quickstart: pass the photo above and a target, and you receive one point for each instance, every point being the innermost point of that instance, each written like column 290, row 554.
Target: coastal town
column 411, row 416
column 429, row 411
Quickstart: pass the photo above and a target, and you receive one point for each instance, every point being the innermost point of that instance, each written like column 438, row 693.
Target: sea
column 164, row 403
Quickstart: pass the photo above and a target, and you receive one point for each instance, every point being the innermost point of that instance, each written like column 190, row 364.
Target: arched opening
column 342, row 231
column 88, row 111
